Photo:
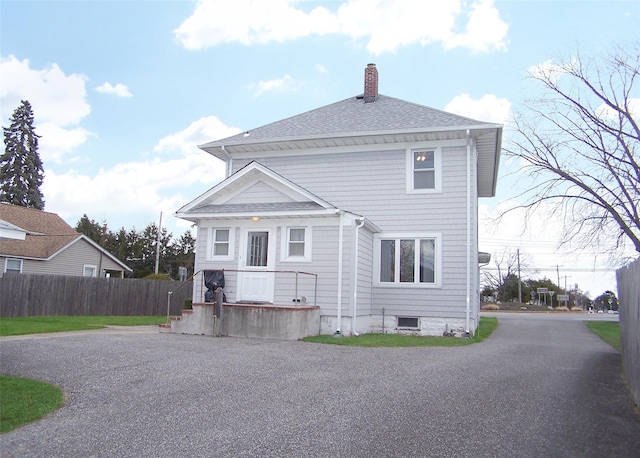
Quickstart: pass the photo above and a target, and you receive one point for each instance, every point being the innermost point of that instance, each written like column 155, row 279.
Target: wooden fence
column 628, row 279
column 56, row 295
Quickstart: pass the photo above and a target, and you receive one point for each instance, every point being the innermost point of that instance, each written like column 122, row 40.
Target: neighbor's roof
column 46, row 234
column 352, row 122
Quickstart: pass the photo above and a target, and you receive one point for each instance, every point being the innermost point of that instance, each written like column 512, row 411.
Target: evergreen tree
column 92, row 229
column 21, row 171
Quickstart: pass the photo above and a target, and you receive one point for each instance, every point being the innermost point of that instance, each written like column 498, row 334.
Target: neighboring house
column 37, row 242
column 375, row 196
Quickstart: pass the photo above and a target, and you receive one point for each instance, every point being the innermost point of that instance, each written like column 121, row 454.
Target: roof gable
column 254, row 190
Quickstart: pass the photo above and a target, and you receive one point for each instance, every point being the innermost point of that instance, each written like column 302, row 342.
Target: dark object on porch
column 213, row 279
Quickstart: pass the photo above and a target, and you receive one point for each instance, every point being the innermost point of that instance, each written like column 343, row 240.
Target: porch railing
column 300, row 294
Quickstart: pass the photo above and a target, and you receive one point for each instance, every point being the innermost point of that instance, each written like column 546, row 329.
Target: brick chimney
column 370, row 83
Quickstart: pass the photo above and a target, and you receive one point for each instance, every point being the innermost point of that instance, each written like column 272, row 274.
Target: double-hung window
column 296, row 244
column 221, row 243
column 408, row 260
column 423, row 170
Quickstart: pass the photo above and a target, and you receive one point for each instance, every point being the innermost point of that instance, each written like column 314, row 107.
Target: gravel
column 540, row 386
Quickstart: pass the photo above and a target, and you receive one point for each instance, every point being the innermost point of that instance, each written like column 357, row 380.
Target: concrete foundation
column 199, row 321
column 271, row 322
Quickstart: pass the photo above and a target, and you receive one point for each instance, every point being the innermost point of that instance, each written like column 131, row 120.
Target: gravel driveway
column 540, row 386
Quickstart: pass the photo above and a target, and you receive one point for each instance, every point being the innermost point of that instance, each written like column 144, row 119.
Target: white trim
column 92, row 267
column 437, row 167
column 6, row 263
column 211, row 233
column 285, row 240
column 377, row 238
column 247, row 176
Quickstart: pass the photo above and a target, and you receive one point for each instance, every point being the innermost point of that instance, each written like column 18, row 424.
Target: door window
column 257, row 247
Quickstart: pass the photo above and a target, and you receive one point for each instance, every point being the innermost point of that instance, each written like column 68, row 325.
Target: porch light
column 255, row 219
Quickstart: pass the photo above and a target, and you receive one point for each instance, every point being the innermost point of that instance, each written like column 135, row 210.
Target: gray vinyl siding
column 373, row 184
column 70, row 261
column 259, row 193
column 325, row 266
column 365, row 273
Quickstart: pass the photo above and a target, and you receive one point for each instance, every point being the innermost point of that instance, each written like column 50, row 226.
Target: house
column 38, row 242
column 366, row 209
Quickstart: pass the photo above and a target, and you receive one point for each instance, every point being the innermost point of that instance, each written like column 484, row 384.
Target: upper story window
column 13, row 265
column 408, row 260
column 296, row 244
column 221, row 243
column 423, row 170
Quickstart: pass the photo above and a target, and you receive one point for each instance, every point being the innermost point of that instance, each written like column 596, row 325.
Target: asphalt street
column 541, row 385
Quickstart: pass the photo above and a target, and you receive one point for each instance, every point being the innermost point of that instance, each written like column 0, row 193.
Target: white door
column 256, row 281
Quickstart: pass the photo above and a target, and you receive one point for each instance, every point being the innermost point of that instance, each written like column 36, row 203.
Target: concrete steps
column 199, row 320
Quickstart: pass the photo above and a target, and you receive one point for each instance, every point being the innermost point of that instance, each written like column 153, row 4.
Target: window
column 410, row 322
column 221, row 243
column 408, row 260
column 296, row 242
column 423, row 174
column 13, row 265
column 89, row 271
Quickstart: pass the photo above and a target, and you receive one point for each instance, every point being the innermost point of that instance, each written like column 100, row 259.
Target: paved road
column 540, row 386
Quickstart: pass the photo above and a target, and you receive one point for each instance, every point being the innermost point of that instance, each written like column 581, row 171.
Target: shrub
column 490, row 307
column 188, row 304
column 562, row 309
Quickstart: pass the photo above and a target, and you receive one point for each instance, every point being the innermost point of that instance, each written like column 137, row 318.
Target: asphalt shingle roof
column 47, row 233
column 352, row 116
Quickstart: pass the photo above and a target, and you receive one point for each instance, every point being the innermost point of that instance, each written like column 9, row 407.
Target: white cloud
column 546, row 70
column 484, row 30
column 489, row 108
column 384, row 24
column 119, row 89
column 248, row 22
column 605, row 111
column 58, row 101
column 136, row 192
column 284, row 84
column 203, row 130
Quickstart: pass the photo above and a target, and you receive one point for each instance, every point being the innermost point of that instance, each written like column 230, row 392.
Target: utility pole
column 558, row 272
column 158, row 244
column 519, row 279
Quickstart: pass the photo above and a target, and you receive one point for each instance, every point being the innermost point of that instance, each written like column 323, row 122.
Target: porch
column 213, row 315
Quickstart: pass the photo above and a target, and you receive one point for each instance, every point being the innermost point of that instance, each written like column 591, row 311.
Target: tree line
column 138, row 249
column 504, row 283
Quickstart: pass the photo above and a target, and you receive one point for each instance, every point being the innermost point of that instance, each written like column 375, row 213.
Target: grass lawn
column 25, row 400
column 38, row 324
column 487, row 326
column 609, row 331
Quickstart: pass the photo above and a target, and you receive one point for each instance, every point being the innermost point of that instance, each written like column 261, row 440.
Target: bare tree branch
column 579, row 142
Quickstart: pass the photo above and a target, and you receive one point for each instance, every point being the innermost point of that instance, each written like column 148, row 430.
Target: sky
column 124, row 91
